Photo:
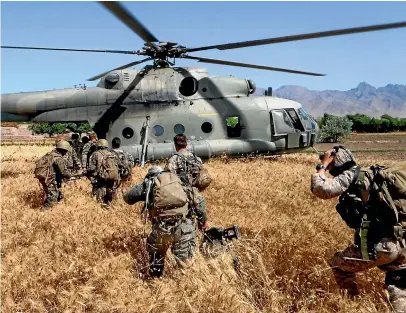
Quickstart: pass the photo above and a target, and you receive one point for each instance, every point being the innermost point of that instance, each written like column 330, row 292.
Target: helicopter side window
column 158, row 130
column 128, row 132
column 188, row 86
column 233, row 126
column 207, row 127
column 295, row 118
column 282, row 122
column 179, row 129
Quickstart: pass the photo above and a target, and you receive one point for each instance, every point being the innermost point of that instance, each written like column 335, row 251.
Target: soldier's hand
column 202, row 226
column 327, row 158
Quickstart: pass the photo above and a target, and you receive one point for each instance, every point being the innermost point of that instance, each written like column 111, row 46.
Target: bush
column 335, row 128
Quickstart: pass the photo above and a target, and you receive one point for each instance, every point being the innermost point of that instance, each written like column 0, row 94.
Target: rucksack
column 124, row 166
column 168, row 192
column 387, row 198
column 197, row 175
column 389, row 191
column 108, row 169
column 44, row 167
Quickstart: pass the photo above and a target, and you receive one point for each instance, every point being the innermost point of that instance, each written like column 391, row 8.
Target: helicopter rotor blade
column 128, row 19
column 119, row 68
column 260, row 67
column 68, row 49
column 337, row 32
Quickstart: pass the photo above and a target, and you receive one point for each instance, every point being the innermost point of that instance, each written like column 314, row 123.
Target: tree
column 59, row 128
column 336, row 128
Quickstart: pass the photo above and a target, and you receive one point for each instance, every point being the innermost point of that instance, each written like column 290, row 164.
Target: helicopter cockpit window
column 233, row 126
column 179, row 129
column 188, row 86
column 158, row 130
column 295, row 118
column 282, row 122
column 303, row 114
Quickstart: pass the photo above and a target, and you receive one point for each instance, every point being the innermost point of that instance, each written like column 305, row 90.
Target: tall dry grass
column 80, row 258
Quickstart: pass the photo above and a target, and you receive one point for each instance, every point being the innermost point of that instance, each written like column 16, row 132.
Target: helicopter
column 146, row 108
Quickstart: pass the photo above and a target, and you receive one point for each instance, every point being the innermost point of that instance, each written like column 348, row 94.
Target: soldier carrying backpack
column 372, row 201
column 125, row 161
column 103, row 173
column 189, row 168
column 167, row 206
column 50, row 170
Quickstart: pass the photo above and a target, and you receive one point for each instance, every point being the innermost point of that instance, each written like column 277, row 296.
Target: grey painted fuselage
column 176, row 100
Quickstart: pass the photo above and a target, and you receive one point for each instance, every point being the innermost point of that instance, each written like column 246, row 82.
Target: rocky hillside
column 364, row 99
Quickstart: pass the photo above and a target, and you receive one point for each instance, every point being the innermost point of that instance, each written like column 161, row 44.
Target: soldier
column 171, row 226
column 376, row 241
column 50, row 170
column 71, row 159
column 187, row 165
column 103, row 173
column 125, row 161
column 88, row 149
column 77, row 145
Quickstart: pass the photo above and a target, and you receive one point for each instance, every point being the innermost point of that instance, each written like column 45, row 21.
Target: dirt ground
column 81, row 258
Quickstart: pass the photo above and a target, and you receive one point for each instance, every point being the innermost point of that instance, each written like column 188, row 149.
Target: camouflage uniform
column 175, row 232
column 177, row 165
column 53, row 186
column 103, row 191
column 121, row 154
column 389, row 255
column 78, row 147
column 72, row 161
column 86, row 149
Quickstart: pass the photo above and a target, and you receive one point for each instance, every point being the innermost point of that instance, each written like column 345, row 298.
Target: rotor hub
column 162, row 51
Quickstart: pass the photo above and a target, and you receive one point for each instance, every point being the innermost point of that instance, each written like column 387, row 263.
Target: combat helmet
column 102, row 143
column 63, row 145
column 343, row 160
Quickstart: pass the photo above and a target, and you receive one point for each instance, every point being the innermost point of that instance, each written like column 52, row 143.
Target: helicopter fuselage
column 217, row 114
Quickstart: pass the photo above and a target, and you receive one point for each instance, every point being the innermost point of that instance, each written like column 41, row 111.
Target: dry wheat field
column 80, row 258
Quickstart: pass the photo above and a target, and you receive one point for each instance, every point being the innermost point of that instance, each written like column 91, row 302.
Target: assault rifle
column 221, row 235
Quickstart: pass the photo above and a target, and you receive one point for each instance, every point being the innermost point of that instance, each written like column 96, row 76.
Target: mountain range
column 364, row 99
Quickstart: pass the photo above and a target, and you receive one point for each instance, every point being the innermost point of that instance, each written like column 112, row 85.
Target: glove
column 202, row 226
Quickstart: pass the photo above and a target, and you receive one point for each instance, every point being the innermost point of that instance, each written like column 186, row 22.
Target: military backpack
column 44, row 167
column 197, row 175
column 169, row 196
column 108, row 168
column 386, row 204
column 124, row 165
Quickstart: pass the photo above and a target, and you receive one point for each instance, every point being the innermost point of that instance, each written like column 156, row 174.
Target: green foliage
column 387, row 123
column 232, row 121
column 335, row 128
column 59, row 128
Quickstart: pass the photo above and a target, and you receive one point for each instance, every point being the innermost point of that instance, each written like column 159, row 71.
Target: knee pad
column 396, row 278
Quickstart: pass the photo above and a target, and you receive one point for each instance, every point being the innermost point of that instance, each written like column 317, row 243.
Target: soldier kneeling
column 167, row 206
column 372, row 201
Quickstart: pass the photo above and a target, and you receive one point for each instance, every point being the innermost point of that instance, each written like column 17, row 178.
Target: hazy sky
column 378, row 58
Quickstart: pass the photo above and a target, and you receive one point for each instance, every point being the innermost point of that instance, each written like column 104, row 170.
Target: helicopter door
column 283, row 126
